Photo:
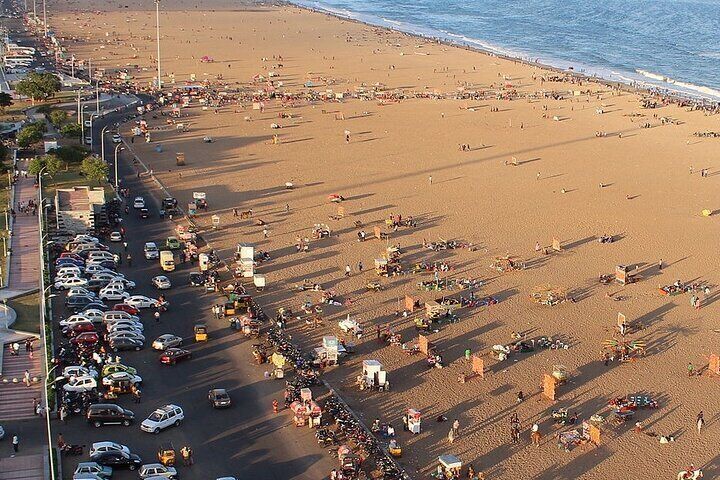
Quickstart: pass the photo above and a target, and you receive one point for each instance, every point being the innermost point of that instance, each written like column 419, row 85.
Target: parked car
column 100, row 414
column 173, row 355
column 98, row 447
column 130, row 461
column 78, row 301
column 116, row 237
column 155, row 470
column 172, row 243
column 95, row 305
column 93, row 468
column 141, row 301
column 86, row 338
column 66, row 282
column 79, row 371
column 74, row 320
column 168, row 340
column 84, row 383
column 151, row 251
column 219, row 398
column 123, row 282
column 124, row 307
column 121, row 376
column 196, row 279
column 119, row 344
column 80, row 291
column 113, row 293
column 162, row 418
column 110, row 368
column 126, row 335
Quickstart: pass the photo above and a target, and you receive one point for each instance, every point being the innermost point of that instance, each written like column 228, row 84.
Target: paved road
column 245, row 441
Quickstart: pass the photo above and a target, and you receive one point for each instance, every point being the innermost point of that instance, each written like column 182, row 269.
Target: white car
column 116, row 138
column 79, row 371
column 123, row 283
column 155, row 470
column 91, row 314
column 161, row 282
column 99, row 447
column 119, row 376
column 139, row 202
column 81, row 291
column 70, row 282
column 93, row 268
column 74, row 271
column 141, row 301
column 114, row 294
column 74, row 320
column 84, row 383
column 106, row 276
column 168, row 340
column 116, row 237
column 125, row 327
column 133, row 335
column 163, row 418
column 83, row 238
column 112, row 316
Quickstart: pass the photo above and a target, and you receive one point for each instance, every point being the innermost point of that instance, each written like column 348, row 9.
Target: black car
column 78, row 302
column 196, row 279
column 101, row 414
column 219, row 398
column 173, row 355
column 144, row 213
column 117, row 459
column 118, row 344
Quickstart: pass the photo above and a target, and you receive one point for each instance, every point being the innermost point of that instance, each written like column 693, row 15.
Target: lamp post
column 43, row 319
column 78, row 109
column 118, row 147
column 102, row 143
column 45, row 19
column 97, row 97
column 82, row 122
column 157, row 33
column 35, row 10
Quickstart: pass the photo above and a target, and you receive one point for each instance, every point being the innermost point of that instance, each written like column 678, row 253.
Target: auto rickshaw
column 201, row 334
column 120, row 386
column 229, row 308
column 166, row 454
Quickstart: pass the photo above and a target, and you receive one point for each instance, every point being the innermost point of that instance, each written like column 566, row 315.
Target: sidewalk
column 24, row 275
column 16, row 398
column 23, row 467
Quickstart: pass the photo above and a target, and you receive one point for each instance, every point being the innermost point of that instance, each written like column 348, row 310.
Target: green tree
column 5, row 101
column 39, row 86
column 29, row 135
column 51, row 163
column 72, row 155
column 71, row 130
column 58, row 117
column 94, row 169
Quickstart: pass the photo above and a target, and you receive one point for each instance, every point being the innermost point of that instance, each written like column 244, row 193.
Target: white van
column 167, row 261
column 116, row 316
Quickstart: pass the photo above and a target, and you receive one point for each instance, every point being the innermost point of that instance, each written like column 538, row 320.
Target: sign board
column 549, row 384
column 556, row 245
column 192, row 208
column 199, row 195
column 620, row 320
column 51, row 145
column 423, row 344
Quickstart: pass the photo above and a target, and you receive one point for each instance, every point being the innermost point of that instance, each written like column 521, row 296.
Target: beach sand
column 650, row 201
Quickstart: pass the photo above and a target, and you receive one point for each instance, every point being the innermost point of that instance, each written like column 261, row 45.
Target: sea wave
column 680, row 86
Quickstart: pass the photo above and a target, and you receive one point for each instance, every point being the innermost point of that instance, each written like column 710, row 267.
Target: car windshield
column 155, row 416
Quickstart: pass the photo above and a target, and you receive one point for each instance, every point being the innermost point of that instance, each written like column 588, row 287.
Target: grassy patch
column 27, row 308
column 69, row 179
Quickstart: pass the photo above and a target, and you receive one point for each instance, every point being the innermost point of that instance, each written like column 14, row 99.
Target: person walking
column 129, row 260
column 265, row 233
column 360, row 267
column 700, row 421
column 34, row 406
column 451, row 436
column 535, row 435
column 125, row 245
column 26, row 378
column 15, row 444
column 62, row 414
column 157, row 316
column 137, row 395
column 430, row 180
column 456, row 427
column 347, row 270
column 235, row 212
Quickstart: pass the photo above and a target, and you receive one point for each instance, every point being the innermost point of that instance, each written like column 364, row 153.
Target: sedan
column 163, row 342
column 161, row 282
column 219, row 398
column 107, row 276
column 70, row 282
column 78, row 328
column 92, row 468
column 127, row 335
column 78, row 302
column 99, row 447
column 110, row 368
column 124, row 307
column 95, row 305
column 173, row 355
column 116, row 237
column 116, row 138
column 86, row 338
column 114, row 294
column 125, row 327
column 156, row 470
column 81, row 291
column 196, row 279
column 117, row 459
column 121, row 376
column 139, row 203
column 123, row 282
column 94, row 268
column 73, row 320
column 119, row 344
column 68, row 262
column 141, row 301
column 78, row 371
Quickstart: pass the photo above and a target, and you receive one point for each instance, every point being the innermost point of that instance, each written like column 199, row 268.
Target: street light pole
column 117, row 147
column 43, row 320
column 78, row 115
column 97, row 97
column 157, row 32
column 45, row 19
column 35, row 10
column 102, row 142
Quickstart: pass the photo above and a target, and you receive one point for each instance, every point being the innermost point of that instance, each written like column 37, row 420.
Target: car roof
column 218, row 390
column 105, row 443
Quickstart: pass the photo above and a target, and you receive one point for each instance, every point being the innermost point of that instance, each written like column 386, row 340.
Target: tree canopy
column 94, row 169
column 39, row 85
column 50, row 162
column 5, row 101
column 58, row 117
column 71, row 130
column 72, row 155
column 30, row 134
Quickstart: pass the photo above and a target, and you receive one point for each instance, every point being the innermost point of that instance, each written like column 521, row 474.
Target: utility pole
column 78, row 119
column 157, row 31
column 45, row 19
column 97, row 97
column 35, row 10
column 72, row 66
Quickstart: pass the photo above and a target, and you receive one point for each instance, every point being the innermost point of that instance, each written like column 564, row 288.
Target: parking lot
column 244, row 441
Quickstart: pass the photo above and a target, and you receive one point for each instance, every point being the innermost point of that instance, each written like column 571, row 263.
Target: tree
column 5, row 101
column 39, row 85
column 51, row 163
column 72, row 155
column 71, row 130
column 29, row 135
column 94, row 169
column 58, row 117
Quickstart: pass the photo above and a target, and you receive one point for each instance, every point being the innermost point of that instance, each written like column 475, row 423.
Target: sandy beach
column 535, row 168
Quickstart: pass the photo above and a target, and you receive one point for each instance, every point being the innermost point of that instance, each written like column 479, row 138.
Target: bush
column 72, row 155
column 29, row 135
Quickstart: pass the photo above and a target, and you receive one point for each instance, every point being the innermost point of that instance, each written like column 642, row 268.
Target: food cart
column 306, row 413
column 373, row 376
column 259, row 282
column 201, row 334
column 449, row 466
column 413, row 419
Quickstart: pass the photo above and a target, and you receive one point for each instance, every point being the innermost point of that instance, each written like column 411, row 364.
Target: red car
column 173, row 355
column 78, row 328
column 124, row 307
column 86, row 338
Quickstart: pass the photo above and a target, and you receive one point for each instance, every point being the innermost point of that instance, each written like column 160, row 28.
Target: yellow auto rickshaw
column 201, row 334
column 166, row 454
column 229, row 308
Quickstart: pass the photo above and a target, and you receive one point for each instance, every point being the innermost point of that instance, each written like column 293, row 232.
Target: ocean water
column 671, row 44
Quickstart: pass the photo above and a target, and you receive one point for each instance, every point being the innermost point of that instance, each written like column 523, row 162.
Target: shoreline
column 648, row 89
